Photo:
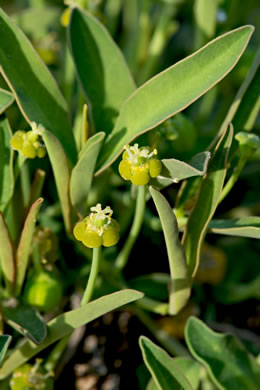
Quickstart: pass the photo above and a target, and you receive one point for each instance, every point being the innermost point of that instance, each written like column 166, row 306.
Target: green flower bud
column 98, row 228
column 139, row 164
column 17, row 140
column 43, row 290
column 30, row 143
column 29, row 377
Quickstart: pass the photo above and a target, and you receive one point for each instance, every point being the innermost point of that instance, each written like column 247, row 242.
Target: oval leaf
column 174, row 89
column 165, row 372
column 206, row 204
column 229, row 364
column 33, row 86
column 82, row 173
column 6, row 99
column 7, row 255
column 27, row 321
column 65, row 323
column 179, row 283
column 24, row 246
column 101, row 68
column 6, row 163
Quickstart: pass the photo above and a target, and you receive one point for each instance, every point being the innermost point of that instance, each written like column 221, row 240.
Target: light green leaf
column 206, row 204
column 6, row 163
column 179, row 170
column 4, row 343
column 190, row 368
column 179, row 286
column 61, row 171
column 24, row 246
column 6, row 99
column 27, row 321
column 101, row 68
column 33, row 86
column 228, row 363
column 82, row 173
column 165, row 372
column 7, row 255
column 205, row 13
column 243, row 227
column 174, row 89
column 65, row 323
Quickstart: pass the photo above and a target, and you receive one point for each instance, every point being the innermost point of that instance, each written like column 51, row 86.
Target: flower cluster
column 98, row 228
column 32, row 377
column 139, row 164
column 29, row 143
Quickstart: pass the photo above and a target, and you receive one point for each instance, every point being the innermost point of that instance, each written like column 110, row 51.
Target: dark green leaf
column 65, row 323
column 27, row 321
column 174, row 89
column 204, row 209
column 226, row 359
column 4, row 343
column 238, row 292
column 243, row 227
column 154, row 286
column 6, row 99
column 33, row 86
column 6, row 163
column 102, row 70
column 165, row 372
column 179, row 283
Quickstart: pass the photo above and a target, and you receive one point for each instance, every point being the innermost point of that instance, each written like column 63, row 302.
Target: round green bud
column 155, row 167
column 26, row 378
column 43, row 290
column 79, row 230
column 17, row 140
column 125, row 169
column 140, row 177
column 110, row 236
column 29, row 150
column 41, row 151
column 92, row 239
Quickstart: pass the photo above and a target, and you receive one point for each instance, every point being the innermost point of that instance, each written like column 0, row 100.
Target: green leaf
column 228, row 363
column 4, row 343
column 206, row 204
column 174, row 89
column 6, row 99
column 24, row 246
column 179, row 170
column 243, row 227
column 165, row 372
column 180, row 283
column 6, row 163
column 238, row 292
column 27, row 321
column 82, row 173
column 154, row 286
column 7, row 255
column 101, row 68
column 190, row 368
column 33, row 86
column 61, row 171
column 65, row 323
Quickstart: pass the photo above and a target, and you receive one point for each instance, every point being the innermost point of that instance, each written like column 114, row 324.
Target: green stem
column 56, row 354
column 135, row 229
column 92, row 277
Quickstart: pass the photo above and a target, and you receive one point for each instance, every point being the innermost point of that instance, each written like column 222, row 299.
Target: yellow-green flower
column 98, row 228
column 29, row 143
column 139, row 164
column 32, row 377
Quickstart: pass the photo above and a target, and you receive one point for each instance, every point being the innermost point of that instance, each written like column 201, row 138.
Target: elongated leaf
column 6, row 163
column 179, row 170
column 190, row 368
column 174, row 89
column 101, row 68
column 65, row 323
column 207, row 202
column 180, row 283
column 82, row 173
column 238, row 292
column 228, row 363
column 7, row 254
column 24, row 246
column 33, row 86
column 6, row 99
column 165, row 372
column 27, row 321
column 152, row 285
column 60, row 166
column 4, row 343
column 243, row 227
